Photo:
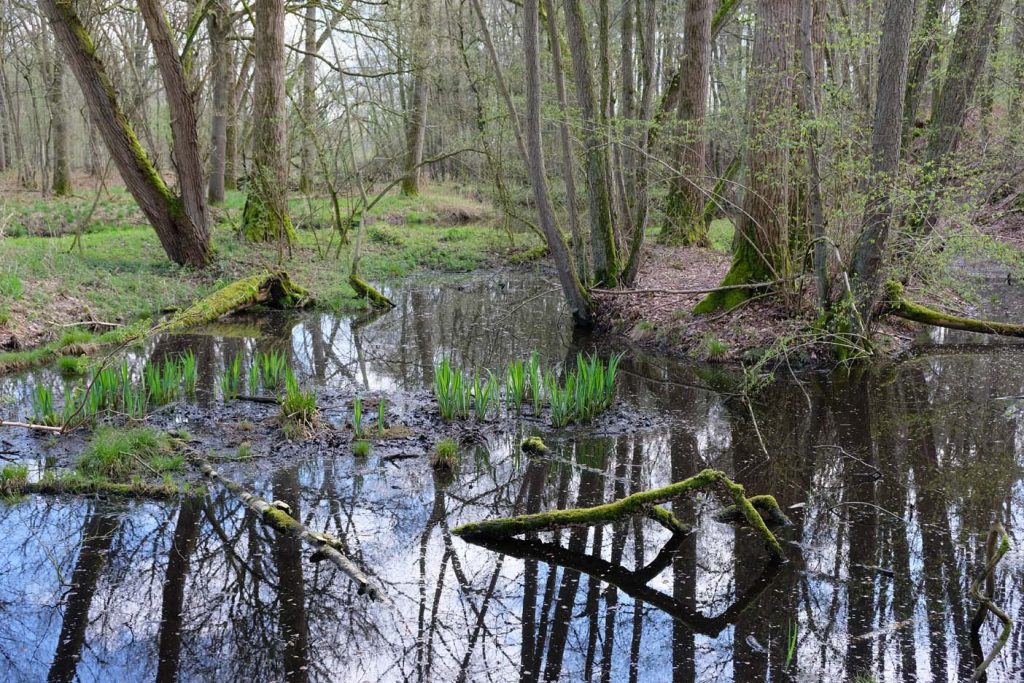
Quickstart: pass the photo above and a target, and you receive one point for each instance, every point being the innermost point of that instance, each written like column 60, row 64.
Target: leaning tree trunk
column 684, row 209
column 576, row 297
column 869, row 252
column 762, row 245
column 180, row 221
column 219, row 28
column 416, row 132
column 59, row 131
column 265, row 217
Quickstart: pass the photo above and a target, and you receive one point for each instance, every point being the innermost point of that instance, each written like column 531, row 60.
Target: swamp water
column 891, row 477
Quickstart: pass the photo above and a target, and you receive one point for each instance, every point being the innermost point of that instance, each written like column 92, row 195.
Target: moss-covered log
column 14, row 481
column 364, row 290
column 269, row 288
column 641, row 503
column 766, row 506
column 326, row 546
column 898, row 306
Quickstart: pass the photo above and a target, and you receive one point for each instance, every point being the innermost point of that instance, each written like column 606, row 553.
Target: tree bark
column 416, row 133
column 917, row 75
column 265, row 217
column 308, row 101
column 180, row 222
column 762, row 246
column 869, row 251
column 579, row 303
column 218, row 24
column 684, row 209
column 61, row 186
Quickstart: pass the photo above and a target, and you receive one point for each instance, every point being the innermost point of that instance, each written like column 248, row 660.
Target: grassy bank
column 117, row 273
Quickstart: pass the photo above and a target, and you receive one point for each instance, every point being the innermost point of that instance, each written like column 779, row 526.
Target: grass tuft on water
column 445, row 457
column 118, row 454
column 299, row 413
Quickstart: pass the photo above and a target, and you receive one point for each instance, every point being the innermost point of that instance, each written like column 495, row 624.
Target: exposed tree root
column 644, row 502
column 326, row 546
column 898, row 306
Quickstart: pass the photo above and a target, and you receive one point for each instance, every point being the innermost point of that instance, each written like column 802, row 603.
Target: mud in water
column 891, row 476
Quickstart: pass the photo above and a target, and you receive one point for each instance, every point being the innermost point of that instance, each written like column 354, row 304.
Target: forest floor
column 115, row 272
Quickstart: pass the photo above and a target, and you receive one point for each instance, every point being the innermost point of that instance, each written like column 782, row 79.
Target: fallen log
column 364, row 290
column 269, row 288
column 900, row 307
column 641, row 503
column 325, row 546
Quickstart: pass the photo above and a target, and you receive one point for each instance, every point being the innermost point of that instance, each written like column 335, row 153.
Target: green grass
column 10, row 286
column 72, row 366
column 720, row 234
column 361, row 448
column 299, row 414
column 118, row 454
column 445, row 456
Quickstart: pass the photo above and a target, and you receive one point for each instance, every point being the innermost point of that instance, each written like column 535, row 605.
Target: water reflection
column 896, row 474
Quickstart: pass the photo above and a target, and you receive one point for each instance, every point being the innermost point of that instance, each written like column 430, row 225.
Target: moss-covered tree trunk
column 762, row 243
column 180, row 221
column 265, row 217
column 684, row 208
column 59, row 131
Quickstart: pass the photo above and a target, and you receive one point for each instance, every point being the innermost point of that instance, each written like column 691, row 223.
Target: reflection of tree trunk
column 291, row 594
column 97, row 536
column 530, row 654
column 184, row 542
column 684, row 454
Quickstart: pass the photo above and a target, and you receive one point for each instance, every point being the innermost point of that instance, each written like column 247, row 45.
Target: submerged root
column 644, row 502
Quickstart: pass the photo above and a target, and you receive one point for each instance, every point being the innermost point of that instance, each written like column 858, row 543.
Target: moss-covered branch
column 898, row 306
column 269, row 288
column 325, row 545
column 638, row 503
column 364, row 290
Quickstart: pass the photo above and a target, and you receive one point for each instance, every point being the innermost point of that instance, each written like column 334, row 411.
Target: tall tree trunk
column 761, row 253
column 931, row 26
column 684, row 209
column 218, row 23
column 602, row 239
column 416, row 132
column 1017, row 89
column 59, row 131
column 232, row 168
column 265, row 217
column 576, row 297
column 869, row 252
column 308, row 99
column 180, row 222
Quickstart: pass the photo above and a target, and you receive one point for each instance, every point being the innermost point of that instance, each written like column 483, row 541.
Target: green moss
column 747, row 268
column 261, row 223
column 369, row 293
column 534, row 446
column 361, row 448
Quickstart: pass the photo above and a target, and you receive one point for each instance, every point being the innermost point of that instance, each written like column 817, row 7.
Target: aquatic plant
column 452, row 391
column 357, row 417
column 381, row 413
column 361, row 448
column 12, row 478
column 536, row 381
column 515, row 385
column 445, row 456
column 254, row 379
column 299, row 413
column 231, row 379
column 560, row 400
column 790, row 645
column 273, row 366
column 189, row 373
column 162, row 381
column 484, row 394
column 117, row 453
column 42, row 406
column 72, row 366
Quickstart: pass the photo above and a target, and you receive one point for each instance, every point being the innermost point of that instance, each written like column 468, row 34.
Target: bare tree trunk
column 684, row 210
column 6, row 152
column 416, row 133
column 180, row 222
column 579, row 302
column 265, row 217
column 232, row 168
column 603, row 248
column 869, row 252
column 761, row 253
column 1017, row 91
column 219, row 28
column 308, row 99
column 59, row 131
column 920, row 63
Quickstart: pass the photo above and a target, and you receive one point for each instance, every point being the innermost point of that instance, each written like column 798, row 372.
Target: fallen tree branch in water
column 33, row 426
column 997, row 546
column 274, row 288
column 900, row 307
column 326, row 546
column 364, row 290
column 641, row 503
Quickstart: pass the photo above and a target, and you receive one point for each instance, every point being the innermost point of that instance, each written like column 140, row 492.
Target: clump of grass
column 299, row 413
column 244, row 451
column 189, row 373
column 118, row 454
column 357, row 417
column 10, row 286
column 515, row 385
column 484, row 394
column 273, row 367
column 162, row 381
column 560, row 400
column 230, row 381
column 445, row 457
column 74, row 338
column 254, row 380
column 587, row 390
column 452, row 391
column 381, row 417
column 12, row 479
column 42, row 406
column 361, row 448
column 714, row 348
column 72, row 366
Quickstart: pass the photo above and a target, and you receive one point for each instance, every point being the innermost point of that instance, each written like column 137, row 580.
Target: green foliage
column 119, row 453
column 244, row 451
column 485, row 393
column 12, row 478
column 452, row 390
column 42, row 406
column 273, row 368
column 587, row 390
column 163, row 381
column 189, row 374
column 713, row 348
column 381, row 415
column 357, row 417
column 790, row 645
column 299, row 414
column 10, row 286
column 535, row 376
column 72, row 366
column 361, row 448
column 515, row 385
column 445, row 456
column 231, row 380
